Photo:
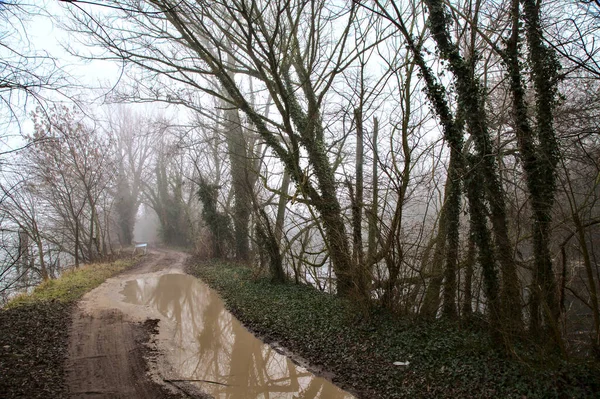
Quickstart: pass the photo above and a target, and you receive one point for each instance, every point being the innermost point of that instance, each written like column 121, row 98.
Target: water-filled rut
column 209, row 347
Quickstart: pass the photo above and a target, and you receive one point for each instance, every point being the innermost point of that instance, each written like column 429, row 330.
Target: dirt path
column 157, row 332
column 108, row 340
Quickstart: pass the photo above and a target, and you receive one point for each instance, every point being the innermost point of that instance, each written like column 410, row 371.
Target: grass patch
column 34, row 339
column 445, row 361
column 73, row 283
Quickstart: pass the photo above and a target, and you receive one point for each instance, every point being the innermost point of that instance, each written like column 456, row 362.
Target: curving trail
column 107, row 341
column 116, row 349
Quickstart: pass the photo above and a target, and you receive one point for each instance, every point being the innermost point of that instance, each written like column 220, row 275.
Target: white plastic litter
column 406, row 363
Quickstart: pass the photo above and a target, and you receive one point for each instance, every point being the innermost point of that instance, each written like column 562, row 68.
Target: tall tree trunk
column 467, row 307
column 453, row 134
column 374, row 210
column 90, row 242
column 482, row 237
column 240, row 168
column 544, row 71
column 124, row 206
column 331, row 213
column 267, row 240
column 325, row 200
column 394, row 262
column 431, row 301
column 452, row 205
column 357, row 205
column 277, row 269
column 98, row 236
column 281, row 206
column 76, row 243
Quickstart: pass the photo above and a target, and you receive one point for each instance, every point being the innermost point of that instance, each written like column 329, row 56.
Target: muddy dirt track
column 107, row 347
column 156, row 332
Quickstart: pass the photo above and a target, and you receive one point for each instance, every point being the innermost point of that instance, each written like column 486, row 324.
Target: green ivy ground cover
column 445, row 361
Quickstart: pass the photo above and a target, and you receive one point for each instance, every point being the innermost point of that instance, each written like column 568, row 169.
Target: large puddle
column 211, row 347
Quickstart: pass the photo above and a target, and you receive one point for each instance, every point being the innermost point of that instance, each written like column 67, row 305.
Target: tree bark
column 482, row 237
column 544, row 71
column 362, row 275
column 467, row 307
column 240, row 169
column 281, row 206
column 452, row 214
column 374, row 210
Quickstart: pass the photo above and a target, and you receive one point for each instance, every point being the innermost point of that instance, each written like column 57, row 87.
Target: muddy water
column 213, row 348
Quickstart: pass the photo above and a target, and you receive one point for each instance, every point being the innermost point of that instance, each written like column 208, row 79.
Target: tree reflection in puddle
column 212, row 345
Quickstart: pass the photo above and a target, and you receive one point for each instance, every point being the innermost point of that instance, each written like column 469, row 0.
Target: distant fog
column 146, row 225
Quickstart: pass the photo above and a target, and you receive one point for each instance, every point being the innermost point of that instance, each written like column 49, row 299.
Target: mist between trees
column 437, row 159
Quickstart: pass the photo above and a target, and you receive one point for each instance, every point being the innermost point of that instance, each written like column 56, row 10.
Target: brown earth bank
column 33, row 348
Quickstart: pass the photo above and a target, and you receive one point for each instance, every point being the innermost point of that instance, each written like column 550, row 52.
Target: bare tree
column 27, row 74
column 135, row 142
column 267, row 46
column 72, row 167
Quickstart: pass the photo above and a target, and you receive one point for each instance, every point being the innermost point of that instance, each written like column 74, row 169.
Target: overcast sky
column 39, row 33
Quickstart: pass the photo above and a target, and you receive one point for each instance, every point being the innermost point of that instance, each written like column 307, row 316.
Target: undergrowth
column 73, row 283
column 445, row 361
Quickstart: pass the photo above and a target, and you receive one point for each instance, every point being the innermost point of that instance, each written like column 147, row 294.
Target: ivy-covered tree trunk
column 267, row 240
column 544, row 70
column 324, row 199
column 217, row 222
column 453, row 202
column 469, row 265
column 125, row 208
column 448, row 230
column 281, row 206
column 445, row 258
column 539, row 151
column 482, row 237
column 471, row 99
column 166, row 198
column 331, row 213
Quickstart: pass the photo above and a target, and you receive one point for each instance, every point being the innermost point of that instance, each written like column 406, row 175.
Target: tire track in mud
column 106, row 347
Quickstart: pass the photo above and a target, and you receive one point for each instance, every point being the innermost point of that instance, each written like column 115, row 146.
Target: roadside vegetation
column 72, row 284
column 445, row 360
column 33, row 343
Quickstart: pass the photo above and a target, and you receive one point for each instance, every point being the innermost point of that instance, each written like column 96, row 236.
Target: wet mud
column 212, row 350
column 195, row 346
column 108, row 346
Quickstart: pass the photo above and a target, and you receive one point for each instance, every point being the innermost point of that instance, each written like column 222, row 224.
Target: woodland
column 435, row 159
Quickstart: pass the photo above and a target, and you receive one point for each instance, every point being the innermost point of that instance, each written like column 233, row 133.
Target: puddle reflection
column 212, row 345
